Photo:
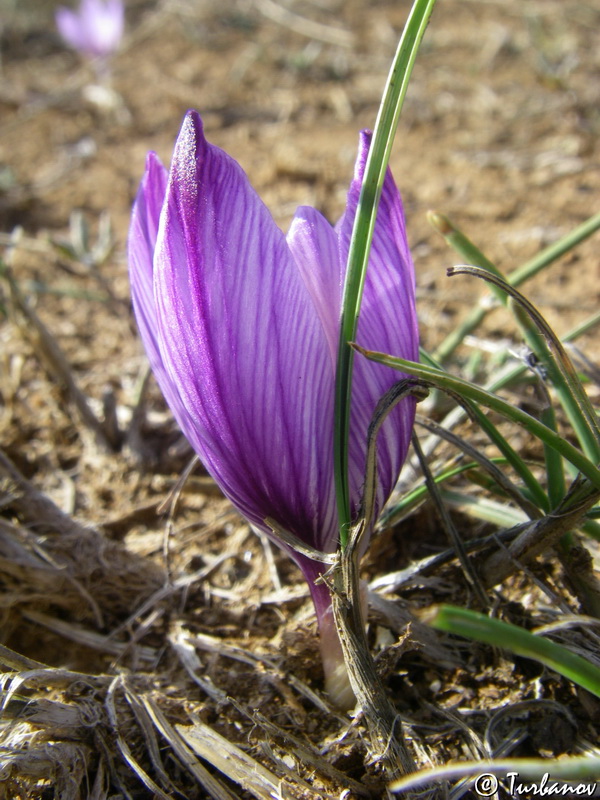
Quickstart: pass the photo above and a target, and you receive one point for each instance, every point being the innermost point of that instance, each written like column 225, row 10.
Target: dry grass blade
column 307, row 27
column 211, row 784
column 426, row 569
column 15, row 661
column 212, row 644
column 34, row 506
column 239, row 767
column 63, row 765
column 308, row 755
column 529, row 717
column 282, row 683
column 46, row 741
column 40, row 675
column 63, row 720
column 399, row 619
column 455, row 540
column 145, row 723
column 541, row 534
column 88, row 638
column 296, row 544
column 30, row 571
column 124, row 748
column 186, row 653
column 51, row 561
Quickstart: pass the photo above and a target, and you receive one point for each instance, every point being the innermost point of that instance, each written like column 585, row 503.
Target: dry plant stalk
column 383, row 720
column 541, row 534
column 231, row 761
column 385, row 726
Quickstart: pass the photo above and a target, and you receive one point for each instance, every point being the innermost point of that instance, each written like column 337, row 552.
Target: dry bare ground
column 153, row 646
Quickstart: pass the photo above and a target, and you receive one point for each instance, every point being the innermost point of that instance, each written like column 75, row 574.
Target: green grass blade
column 509, row 373
column 553, row 356
column 555, row 473
column 471, row 254
column 443, row 380
column 473, row 625
column 414, row 497
column 464, row 246
column 536, row 493
column 582, row 328
column 497, row 480
column 554, row 251
column 575, row 768
column 591, row 527
column 567, row 387
column 482, row 508
column 377, row 162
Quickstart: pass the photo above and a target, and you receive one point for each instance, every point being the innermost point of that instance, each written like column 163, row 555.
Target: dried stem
column 541, row 534
column 385, row 726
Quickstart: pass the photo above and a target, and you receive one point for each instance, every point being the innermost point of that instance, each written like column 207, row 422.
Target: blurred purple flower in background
column 241, row 326
column 95, row 30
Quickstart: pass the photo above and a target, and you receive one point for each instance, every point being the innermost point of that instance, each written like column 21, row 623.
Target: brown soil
column 499, row 132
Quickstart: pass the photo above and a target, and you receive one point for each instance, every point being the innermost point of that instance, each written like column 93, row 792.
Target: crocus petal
column 387, row 323
column 387, row 320
column 241, row 327
column 104, row 23
column 243, row 345
column 69, row 27
column 314, row 245
column 95, row 29
column 143, row 231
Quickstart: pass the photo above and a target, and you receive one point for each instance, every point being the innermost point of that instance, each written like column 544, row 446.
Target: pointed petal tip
column 365, row 138
column 155, row 173
column 151, row 160
column 189, row 149
column 194, row 118
column 192, row 130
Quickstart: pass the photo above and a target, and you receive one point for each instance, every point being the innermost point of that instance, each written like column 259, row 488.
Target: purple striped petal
column 387, row 323
column 387, row 320
column 241, row 329
column 242, row 344
column 143, row 231
column 241, row 326
column 314, row 245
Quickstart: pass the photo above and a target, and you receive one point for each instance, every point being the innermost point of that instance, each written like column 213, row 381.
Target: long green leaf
column 553, row 355
column 473, row 625
column 471, row 254
column 554, row 251
column 443, row 380
column 358, row 257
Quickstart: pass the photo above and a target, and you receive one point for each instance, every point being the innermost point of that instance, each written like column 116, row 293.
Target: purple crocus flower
column 96, row 29
column 241, row 326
